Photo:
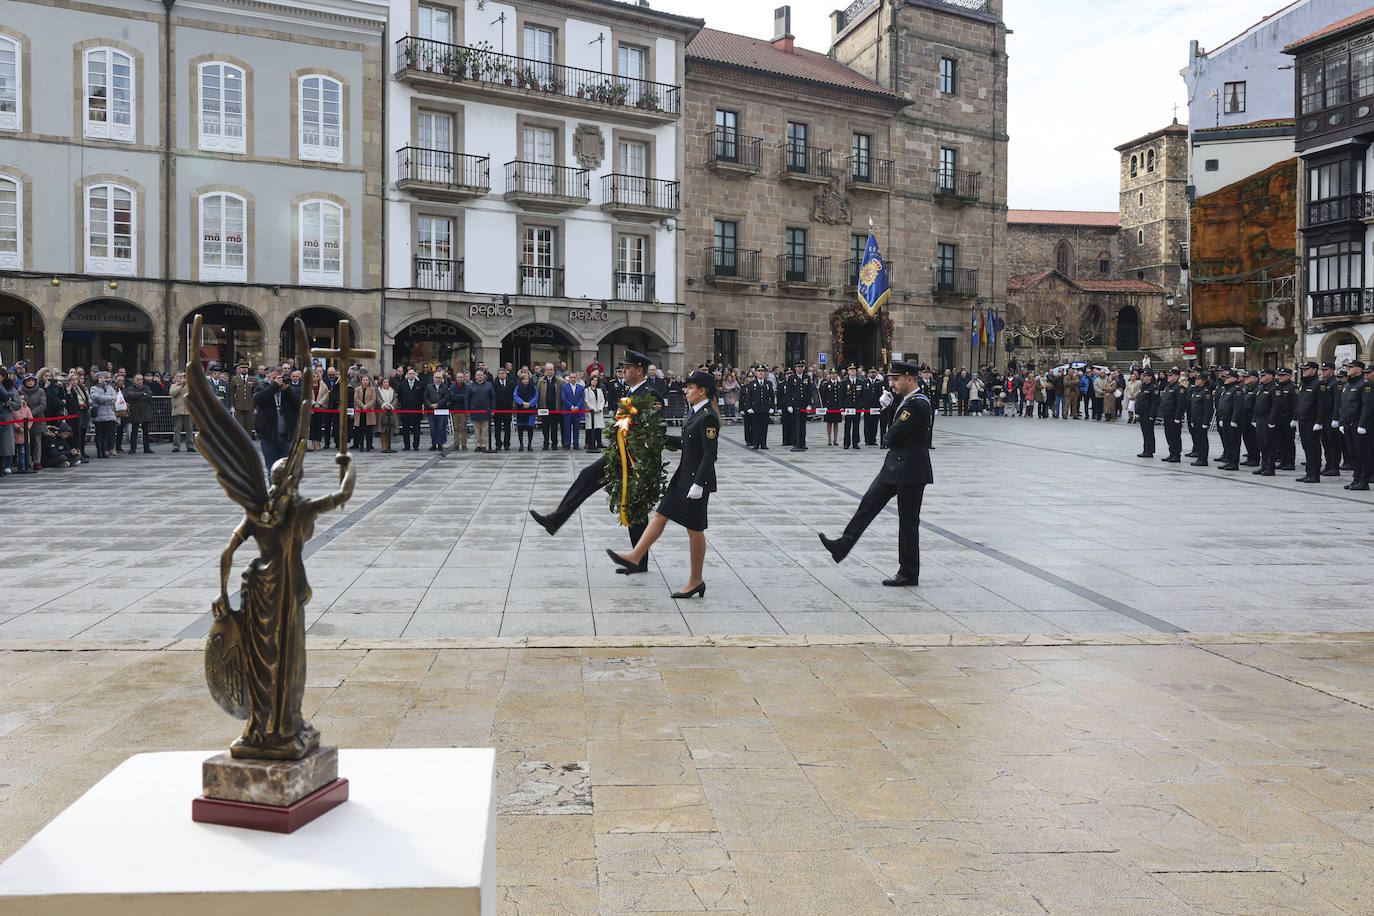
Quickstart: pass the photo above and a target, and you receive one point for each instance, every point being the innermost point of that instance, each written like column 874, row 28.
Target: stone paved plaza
column 1032, row 527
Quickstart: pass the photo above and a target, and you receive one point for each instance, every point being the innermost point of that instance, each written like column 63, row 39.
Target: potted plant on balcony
column 412, row 55
column 479, row 59
column 619, row 94
column 529, row 79
column 647, row 100
column 555, row 84
column 503, row 71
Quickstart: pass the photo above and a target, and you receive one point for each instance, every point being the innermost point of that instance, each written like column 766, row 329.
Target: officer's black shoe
column 1252, row 462
column 1361, row 485
column 1146, row 455
column 546, row 522
column 900, row 580
column 1287, row 467
column 1309, row 479
column 795, row 449
column 1347, row 466
column 838, row 550
column 1266, row 472
column 1200, row 463
column 1330, row 472
column 1172, row 459
column 1229, row 467
column 1190, row 455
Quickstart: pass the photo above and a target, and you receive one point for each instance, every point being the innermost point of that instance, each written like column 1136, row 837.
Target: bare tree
column 1041, row 315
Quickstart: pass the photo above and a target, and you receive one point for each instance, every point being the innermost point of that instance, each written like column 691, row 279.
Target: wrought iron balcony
column 442, row 175
column 633, row 287
column 731, row 153
column 637, row 197
column 864, row 173
column 540, row 186
column 461, row 68
column 439, row 274
column 541, row 281
column 807, row 164
column 804, row 270
column 732, row 265
column 957, row 185
column 852, row 267
column 955, row 283
column 1341, row 209
column 1341, row 303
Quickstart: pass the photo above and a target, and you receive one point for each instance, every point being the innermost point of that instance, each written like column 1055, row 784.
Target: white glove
column 750, row 410
column 1360, row 430
column 1317, row 428
column 1235, row 424
column 696, row 491
column 886, row 399
column 1271, row 425
column 1206, row 426
column 1293, row 423
column 789, row 410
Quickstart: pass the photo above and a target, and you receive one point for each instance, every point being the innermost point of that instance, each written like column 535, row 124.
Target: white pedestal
column 417, row 836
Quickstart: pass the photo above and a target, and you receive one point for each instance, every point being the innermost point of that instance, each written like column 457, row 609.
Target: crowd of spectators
column 1070, row 392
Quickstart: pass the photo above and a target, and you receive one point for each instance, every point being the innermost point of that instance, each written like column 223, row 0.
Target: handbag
column 121, row 406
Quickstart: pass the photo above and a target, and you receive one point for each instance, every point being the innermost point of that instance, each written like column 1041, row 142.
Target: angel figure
column 255, row 654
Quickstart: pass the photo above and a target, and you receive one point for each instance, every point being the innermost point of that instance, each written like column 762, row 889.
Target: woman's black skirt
column 689, row 513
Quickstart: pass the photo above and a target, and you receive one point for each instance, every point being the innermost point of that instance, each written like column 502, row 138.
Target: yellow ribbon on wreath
column 624, row 419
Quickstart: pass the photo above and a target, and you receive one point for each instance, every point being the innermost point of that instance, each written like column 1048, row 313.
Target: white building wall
column 1236, row 159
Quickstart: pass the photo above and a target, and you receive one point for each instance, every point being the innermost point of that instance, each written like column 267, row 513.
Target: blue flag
column 874, row 286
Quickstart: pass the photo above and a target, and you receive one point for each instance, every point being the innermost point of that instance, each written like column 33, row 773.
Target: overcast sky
column 1084, row 77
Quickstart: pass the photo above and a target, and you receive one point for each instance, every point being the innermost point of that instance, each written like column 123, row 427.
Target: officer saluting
column 905, row 473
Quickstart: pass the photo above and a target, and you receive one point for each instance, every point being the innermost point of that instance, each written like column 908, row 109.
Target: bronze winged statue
column 255, row 654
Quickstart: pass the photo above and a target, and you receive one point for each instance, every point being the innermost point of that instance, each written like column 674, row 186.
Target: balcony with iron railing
column 954, row 283
column 853, row 267
column 637, row 197
column 435, row 174
column 1341, row 303
column 463, row 70
column 804, row 164
column 957, row 185
column 439, row 274
column 864, row 173
column 541, row 281
column 540, row 186
column 732, row 266
column 803, row 271
column 631, row 286
column 733, row 155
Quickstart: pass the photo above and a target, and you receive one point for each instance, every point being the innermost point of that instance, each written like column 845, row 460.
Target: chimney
column 782, row 29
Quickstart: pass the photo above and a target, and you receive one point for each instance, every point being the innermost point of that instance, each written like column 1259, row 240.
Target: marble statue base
column 269, row 782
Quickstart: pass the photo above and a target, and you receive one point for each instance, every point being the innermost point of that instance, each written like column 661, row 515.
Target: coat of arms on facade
column 831, row 207
column 589, row 146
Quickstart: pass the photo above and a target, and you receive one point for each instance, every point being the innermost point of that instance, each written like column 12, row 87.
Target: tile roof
column 1098, row 218
column 1026, row 281
column 1252, row 125
column 720, row 47
column 1334, row 27
column 1176, row 129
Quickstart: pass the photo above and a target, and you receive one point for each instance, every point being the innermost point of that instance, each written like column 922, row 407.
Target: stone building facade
column 909, row 112
column 1154, row 206
column 222, row 160
column 534, row 164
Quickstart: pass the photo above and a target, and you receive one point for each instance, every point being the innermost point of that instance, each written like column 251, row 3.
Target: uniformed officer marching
column 1356, row 414
column 852, row 390
column 1145, row 401
column 1328, row 394
column 1264, row 405
column 1281, row 420
column 1307, row 414
column 1171, row 404
column 1228, row 427
column 905, row 473
column 1200, row 410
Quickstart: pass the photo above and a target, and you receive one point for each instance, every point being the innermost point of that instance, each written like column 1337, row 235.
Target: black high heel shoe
column 699, row 590
column 629, row 567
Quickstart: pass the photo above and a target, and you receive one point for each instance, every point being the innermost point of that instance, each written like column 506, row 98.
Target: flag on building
column 874, row 286
column 974, row 339
column 983, row 329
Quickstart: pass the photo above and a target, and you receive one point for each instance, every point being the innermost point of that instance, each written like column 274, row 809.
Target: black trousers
column 1147, row 436
column 1173, row 435
column 500, row 431
column 1287, row 449
column 1311, row 447
column 1251, row 440
column 879, row 494
column 1198, row 433
column 786, row 421
column 1335, row 446
column 1269, row 441
column 589, row 482
column 1230, row 442
column 747, row 421
column 851, row 431
column 410, row 430
column 871, row 427
column 1357, row 454
column 550, row 426
column 799, row 429
column 760, row 422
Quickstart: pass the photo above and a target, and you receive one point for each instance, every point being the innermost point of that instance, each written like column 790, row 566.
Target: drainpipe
column 167, row 178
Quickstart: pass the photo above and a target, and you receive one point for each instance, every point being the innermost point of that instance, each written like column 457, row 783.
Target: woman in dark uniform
column 685, row 501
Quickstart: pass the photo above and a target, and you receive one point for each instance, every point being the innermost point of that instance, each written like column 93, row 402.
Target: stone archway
column 1128, row 329
column 859, row 338
column 107, row 330
column 230, row 333
column 21, row 332
column 1342, row 338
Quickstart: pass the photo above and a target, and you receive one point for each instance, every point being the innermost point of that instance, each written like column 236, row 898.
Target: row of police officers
column 798, row 395
column 1258, row 411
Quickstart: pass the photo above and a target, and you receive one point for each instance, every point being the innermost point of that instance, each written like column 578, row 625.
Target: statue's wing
column 295, row 463
column 222, row 441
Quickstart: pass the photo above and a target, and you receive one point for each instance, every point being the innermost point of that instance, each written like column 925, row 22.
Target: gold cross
column 343, row 352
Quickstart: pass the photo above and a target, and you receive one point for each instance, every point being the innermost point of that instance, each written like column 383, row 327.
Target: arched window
column 111, row 244
column 321, row 235
column 11, row 223
column 11, row 91
column 1150, row 161
column 321, row 118
column 222, row 107
column 1133, row 166
column 1140, row 236
column 223, row 238
column 110, row 95
column 1061, row 258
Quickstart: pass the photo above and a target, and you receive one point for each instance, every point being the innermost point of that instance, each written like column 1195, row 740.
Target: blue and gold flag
column 874, row 286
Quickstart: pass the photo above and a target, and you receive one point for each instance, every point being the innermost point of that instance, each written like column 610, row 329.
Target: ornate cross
column 343, row 352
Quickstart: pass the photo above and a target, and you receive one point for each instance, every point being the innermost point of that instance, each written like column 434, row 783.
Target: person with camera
column 277, row 405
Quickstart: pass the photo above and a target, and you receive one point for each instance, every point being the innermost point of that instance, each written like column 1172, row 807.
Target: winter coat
column 526, row 398
column 140, row 401
column 595, row 405
column 178, row 392
column 9, row 403
column 102, row 403
column 365, row 399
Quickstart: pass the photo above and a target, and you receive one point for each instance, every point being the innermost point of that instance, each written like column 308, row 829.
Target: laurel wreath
column 648, row 472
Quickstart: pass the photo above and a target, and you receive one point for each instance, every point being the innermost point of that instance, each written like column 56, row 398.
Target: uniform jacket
column 1281, row 411
column 907, row 463
column 852, row 392
column 757, row 396
column 697, row 464
column 1305, row 407
column 1145, row 401
column 1326, row 400
column 241, row 392
column 1263, row 404
column 1228, row 403
column 1200, row 405
column 1245, row 412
